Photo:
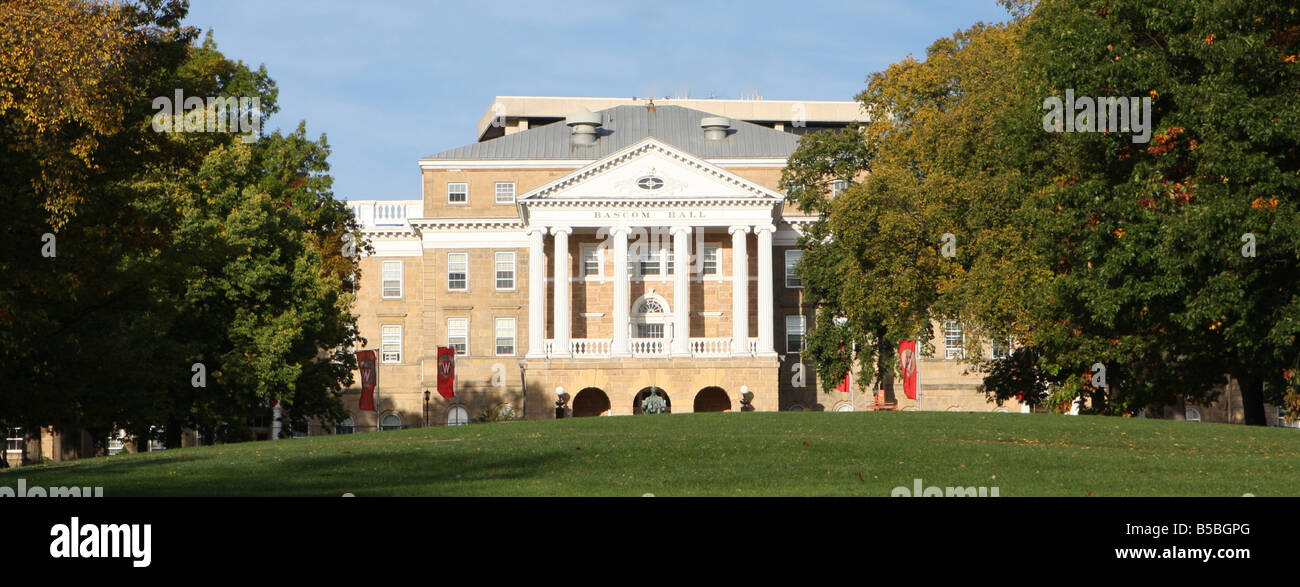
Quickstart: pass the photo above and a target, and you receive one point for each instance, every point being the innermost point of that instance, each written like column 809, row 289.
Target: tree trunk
column 885, row 372
column 1252, row 399
column 173, row 434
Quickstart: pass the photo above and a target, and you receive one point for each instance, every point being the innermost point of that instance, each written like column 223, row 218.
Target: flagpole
column 916, row 356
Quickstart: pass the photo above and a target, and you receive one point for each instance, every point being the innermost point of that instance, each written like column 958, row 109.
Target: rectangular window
column 649, row 330
column 650, row 263
column 390, row 347
column 457, row 193
column 458, row 335
column 392, row 277
column 838, row 186
column 712, row 261
column 505, row 334
column 505, row 192
column 794, row 331
column 591, row 260
column 953, row 341
column 457, row 271
column 505, row 269
column 792, row 258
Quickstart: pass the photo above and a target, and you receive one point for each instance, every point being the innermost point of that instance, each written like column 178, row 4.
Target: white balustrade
column 591, row 347
column 648, row 346
column 710, row 347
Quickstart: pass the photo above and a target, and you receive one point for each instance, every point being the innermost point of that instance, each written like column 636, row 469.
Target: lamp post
column 523, row 385
column 426, row 408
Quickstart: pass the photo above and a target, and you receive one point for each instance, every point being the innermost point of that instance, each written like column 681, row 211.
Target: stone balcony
column 650, row 348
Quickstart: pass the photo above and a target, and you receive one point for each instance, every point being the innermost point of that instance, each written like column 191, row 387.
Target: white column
column 739, row 291
column 563, row 320
column 621, row 300
column 682, row 290
column 765, row 285
column 536, row 293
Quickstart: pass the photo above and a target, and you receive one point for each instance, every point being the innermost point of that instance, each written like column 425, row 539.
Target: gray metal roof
column 623, row 126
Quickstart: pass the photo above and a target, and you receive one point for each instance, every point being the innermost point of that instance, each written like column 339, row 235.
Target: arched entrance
column 644, row 393
column 591, row 401
column 712, row 399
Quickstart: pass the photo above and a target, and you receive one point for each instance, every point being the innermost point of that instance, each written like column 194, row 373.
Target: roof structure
column 623, row 126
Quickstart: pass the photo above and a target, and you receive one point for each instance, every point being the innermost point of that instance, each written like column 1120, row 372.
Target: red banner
column 447, row 372
column 907, row 360
column 847, row 384
column 369, row 379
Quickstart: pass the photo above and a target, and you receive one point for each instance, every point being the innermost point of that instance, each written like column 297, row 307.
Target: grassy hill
column 753, row 454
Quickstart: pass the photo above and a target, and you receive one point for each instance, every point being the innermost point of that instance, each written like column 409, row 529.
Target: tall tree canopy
column 130, row 255
column 1091, row 249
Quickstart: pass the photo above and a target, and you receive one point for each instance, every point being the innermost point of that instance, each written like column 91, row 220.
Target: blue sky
column 391, row 81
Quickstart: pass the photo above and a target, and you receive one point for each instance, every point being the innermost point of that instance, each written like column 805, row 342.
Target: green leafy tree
column 1150, row 278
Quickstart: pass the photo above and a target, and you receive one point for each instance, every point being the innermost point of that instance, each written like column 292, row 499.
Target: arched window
column 844, row 407
column 650, row 316
column 457, row 416
column 347, row 426
column 1193, row 415
column 391, row 422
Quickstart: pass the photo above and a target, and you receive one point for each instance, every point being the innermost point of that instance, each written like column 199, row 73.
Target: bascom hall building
column 589, row 250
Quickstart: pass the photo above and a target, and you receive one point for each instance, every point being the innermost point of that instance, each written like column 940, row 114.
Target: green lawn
column 755, row 454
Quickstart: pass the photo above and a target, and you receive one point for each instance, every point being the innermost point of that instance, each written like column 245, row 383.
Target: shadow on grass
column 301, row 475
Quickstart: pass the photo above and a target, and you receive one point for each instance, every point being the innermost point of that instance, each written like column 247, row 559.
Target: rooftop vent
column 582, row 124
column 715, row 127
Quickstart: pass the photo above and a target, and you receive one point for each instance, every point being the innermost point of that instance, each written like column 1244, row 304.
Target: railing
column 386, row 212
column 648, row 346
column 589, row 347
column 710, row 347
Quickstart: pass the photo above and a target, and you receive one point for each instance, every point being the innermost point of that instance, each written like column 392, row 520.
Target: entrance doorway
column 712, row 399
column 591, row 401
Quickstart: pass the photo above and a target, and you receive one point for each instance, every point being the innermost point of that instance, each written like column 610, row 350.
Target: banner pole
column 916, row 356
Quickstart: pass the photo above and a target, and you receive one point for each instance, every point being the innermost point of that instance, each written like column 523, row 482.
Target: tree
column 173, row 249
column 929, row 222
column 1150, row 277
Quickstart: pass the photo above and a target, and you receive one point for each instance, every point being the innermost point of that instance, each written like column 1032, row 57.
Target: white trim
column 755, row 190
column 452, row 183
column 448, row 334
column 787, row 269
column 448, row 276
column 514, row 271
column 592, row 314
column 382, row 344
column 456, row 164
column 383, row 268
column 803, row 336
column 582, row 263
column 514, row 336
column 496, row 192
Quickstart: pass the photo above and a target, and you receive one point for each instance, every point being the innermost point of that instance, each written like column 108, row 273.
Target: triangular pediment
column 650, row 170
